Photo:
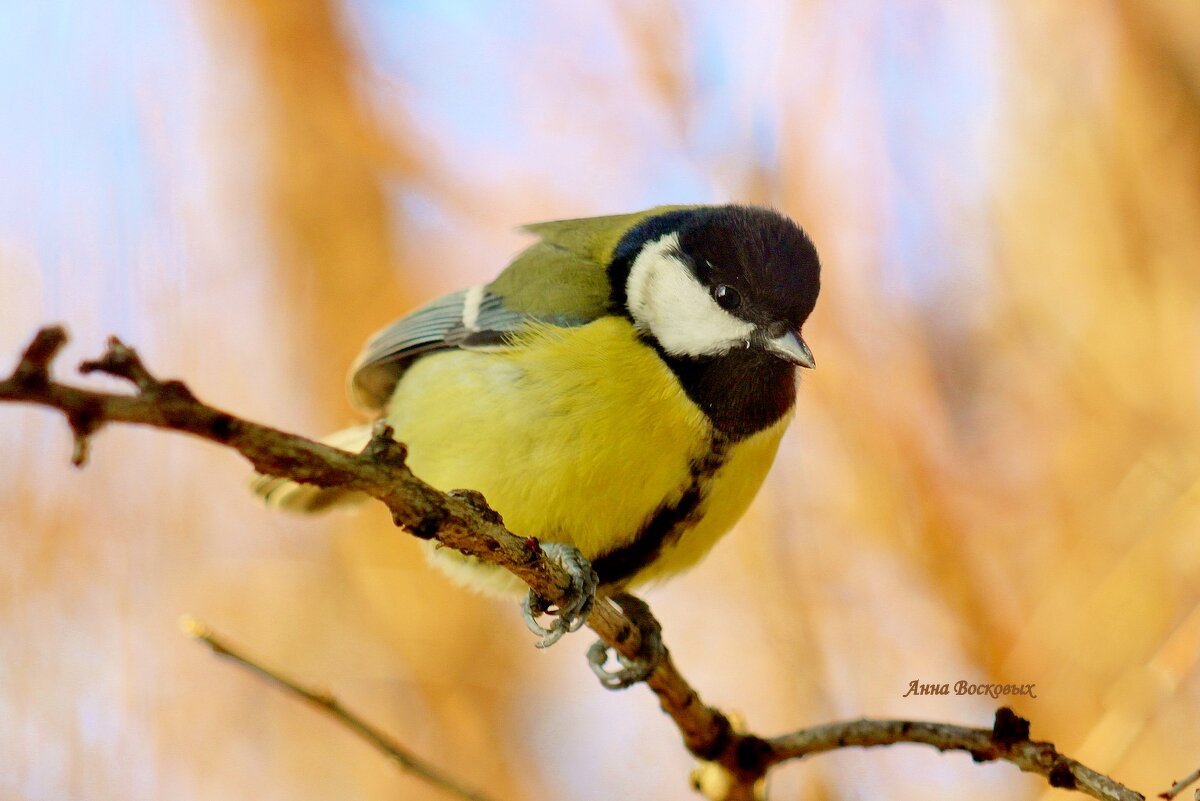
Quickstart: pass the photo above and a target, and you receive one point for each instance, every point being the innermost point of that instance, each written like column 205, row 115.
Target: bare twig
column 462, row 520
column 1181, row 785
column 1007, row 740
column 331, row 706
column 378, row 471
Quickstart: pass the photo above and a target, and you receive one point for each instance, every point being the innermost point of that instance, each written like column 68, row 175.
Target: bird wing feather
column 546, row 284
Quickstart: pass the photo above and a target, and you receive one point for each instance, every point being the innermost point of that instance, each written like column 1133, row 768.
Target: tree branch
column 1181, row 785
column 1007, row 740
column 463, row 521
column 331, row 706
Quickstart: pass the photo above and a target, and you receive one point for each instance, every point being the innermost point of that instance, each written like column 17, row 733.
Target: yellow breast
column 575, row 435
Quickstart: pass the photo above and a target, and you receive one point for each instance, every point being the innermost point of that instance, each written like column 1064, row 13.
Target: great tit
column 621, row 387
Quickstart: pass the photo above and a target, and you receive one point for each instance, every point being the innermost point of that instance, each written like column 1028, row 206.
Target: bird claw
column 573, row 612
column 650, row 653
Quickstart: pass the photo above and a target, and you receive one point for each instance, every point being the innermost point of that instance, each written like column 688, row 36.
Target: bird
column 618, row 392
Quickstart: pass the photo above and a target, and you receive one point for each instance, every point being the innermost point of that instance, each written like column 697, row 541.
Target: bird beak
column 793, row 349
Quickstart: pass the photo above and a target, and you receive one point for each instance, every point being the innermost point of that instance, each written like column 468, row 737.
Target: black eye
column 727, row 297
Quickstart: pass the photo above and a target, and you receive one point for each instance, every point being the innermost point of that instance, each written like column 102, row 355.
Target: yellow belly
column 577, row 435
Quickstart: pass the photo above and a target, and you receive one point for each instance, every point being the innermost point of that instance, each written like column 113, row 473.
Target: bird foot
column 572, row 613
column 650, row 653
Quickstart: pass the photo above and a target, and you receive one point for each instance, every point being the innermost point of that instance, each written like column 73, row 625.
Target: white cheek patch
column 669, row 303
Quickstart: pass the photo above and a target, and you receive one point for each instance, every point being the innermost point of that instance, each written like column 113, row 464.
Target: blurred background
column 994, row 476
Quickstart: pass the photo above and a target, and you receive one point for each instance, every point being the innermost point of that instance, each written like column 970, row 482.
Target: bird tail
column 283, row 493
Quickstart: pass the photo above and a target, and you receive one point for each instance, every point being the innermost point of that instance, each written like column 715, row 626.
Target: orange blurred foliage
column 994, row 476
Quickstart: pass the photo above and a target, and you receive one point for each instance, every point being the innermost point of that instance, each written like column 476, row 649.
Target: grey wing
column 470, row 319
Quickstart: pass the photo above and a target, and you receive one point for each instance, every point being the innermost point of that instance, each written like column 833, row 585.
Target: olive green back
column 563, row 275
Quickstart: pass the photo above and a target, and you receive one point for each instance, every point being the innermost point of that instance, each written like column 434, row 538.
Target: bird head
column 709, row 281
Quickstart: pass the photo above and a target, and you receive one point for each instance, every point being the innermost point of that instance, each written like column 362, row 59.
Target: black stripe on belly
column 667, row 524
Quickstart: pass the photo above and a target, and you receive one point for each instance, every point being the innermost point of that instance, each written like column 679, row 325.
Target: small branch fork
column 463, row 521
